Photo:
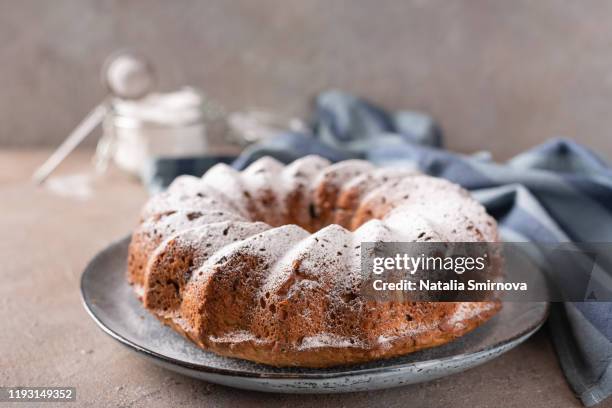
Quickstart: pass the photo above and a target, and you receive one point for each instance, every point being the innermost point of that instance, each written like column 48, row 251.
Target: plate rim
column 85, row 301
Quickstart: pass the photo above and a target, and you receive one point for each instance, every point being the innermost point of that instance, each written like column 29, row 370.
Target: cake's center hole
column 313, row 217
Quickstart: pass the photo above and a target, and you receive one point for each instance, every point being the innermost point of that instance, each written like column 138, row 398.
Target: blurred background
column 498, row 76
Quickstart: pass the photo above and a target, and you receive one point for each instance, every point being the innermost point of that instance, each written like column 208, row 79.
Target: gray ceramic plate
column 112, row 304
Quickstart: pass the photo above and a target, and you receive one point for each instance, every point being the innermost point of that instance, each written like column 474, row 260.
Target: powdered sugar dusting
column 240, row 336
column 468, row 310
column 229, row 215
column 327, row 340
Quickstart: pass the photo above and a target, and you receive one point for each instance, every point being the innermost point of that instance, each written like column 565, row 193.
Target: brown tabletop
column 47, row 338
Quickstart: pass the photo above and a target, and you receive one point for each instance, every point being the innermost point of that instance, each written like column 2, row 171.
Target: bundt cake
column 264, row 264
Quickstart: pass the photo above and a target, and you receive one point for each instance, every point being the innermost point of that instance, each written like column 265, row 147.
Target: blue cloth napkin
column 556, row 192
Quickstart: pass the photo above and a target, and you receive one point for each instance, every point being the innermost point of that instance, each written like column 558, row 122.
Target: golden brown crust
column 320, row 357
column 220, row 260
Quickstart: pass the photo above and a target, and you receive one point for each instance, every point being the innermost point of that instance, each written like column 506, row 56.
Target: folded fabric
column 557, row 192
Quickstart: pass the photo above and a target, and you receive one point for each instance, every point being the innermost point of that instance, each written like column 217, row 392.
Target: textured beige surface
column 46, row 337
column 499, row 75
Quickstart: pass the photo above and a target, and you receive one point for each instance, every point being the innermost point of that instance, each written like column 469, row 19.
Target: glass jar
column 166, row 125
